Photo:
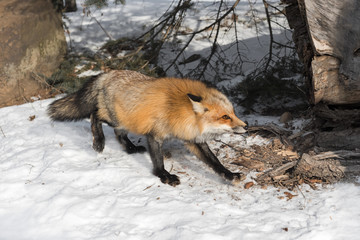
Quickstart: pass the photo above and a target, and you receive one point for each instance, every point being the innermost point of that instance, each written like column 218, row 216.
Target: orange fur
column 143, row 105
column 158, row 108
column 163, row 107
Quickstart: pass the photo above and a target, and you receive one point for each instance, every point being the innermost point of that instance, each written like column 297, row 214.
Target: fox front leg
column 157, row 158
column 203, row 152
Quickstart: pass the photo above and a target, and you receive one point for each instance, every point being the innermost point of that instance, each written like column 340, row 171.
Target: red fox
column 159, row 108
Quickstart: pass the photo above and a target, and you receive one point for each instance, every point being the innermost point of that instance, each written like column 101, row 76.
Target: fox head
column 215, row 114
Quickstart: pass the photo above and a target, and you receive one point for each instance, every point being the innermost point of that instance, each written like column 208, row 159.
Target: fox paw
column 235, row 178
column 98, row 145
column 238, row 178
column 170, row 179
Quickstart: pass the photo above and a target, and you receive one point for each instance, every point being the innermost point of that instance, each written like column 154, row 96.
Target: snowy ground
column 55, row 186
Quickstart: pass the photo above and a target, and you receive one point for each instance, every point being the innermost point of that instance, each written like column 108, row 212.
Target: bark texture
column 32, row 44
column 327, row 38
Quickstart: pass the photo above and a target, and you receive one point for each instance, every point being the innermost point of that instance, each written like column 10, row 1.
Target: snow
column 55, row 186
column 130, row 20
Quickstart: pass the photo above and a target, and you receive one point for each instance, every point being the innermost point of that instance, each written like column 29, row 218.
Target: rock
column 32, row 45
column 286, row 117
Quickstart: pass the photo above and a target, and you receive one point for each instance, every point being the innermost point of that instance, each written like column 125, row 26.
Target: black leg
column 98, row 134
column 158, row 161
column 203, row 152
column 125, row 141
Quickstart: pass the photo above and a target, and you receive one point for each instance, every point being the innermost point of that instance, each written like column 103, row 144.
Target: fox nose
column 240, row 130
column 246, row 126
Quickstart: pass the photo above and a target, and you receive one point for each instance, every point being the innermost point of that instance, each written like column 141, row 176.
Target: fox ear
column 196, row 103
column 194, row 98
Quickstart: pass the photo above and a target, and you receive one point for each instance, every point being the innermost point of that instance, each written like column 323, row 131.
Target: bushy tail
column 76, row 106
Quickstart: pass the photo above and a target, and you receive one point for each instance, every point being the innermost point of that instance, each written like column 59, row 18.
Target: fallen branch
column 341, row 154
column 278, row 131
column 282, row 169
column 328, row 170
column 279, row 171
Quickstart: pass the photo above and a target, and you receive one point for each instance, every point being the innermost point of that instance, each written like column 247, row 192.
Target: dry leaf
column 315, row 180
column 248, row 185
column 281, row 178
column 289, row 195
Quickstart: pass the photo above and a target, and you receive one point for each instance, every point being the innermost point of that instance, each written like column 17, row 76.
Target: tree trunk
column 327, row 37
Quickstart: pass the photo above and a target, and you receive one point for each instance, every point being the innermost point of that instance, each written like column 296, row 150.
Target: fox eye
column 226, row 117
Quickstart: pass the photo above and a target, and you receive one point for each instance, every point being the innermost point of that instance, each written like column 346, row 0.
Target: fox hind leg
column 98, row 134
column 157, row 158
column 125, row 141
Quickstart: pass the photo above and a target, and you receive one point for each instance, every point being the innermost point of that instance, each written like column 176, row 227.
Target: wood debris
column 280, row 163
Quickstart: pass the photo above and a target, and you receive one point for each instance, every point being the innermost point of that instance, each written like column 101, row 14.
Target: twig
column 255, row 23
column 172, row 166
column 266, row 5
column 171, row 23
column 2, row 132
column 42, row 80
column 280, row 132
column 237, row 40
column 21, row 91
column 279, row 170
column 232, row 147
column 169, row 15
column 283, row 45
column 180, row 53
column 202, row 30
column 148, row 187
column 282, row 169
column 132, row 53
column 277, row 9
column 107, row 34
column 217, row 16
column 340, row 154
column 297, row 186
column 214, row 46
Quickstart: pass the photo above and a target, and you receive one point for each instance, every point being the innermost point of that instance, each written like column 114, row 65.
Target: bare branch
column 217, row 22
column 106, row 32
column 271, row 34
